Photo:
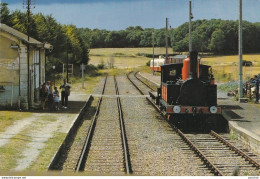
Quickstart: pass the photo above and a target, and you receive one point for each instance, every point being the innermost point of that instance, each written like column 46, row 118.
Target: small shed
column 22, row 71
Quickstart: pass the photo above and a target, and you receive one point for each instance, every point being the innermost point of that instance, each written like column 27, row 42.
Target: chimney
column 193, row 65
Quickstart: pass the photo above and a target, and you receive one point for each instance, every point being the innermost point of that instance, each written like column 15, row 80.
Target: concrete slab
column 244, row 120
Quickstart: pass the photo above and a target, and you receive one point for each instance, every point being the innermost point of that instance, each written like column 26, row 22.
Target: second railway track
column 106, row 150
column 218, row 154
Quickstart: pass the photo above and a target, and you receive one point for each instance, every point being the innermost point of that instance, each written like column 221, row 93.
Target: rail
column 145, row 97
column 193, row 147
column 80, row 163
column 238, row 151
column 143, row 82
column 190, row 144
column 210, row 165
column 127, row 162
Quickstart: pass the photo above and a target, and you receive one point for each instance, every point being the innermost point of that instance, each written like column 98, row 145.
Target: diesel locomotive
column 188, row 93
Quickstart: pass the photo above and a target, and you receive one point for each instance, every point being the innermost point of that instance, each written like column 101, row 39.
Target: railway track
column 220, row 156
column 105, row 150
column 217, row 153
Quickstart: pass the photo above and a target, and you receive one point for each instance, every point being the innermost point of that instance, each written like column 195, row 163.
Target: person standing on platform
column 43, row 95
column 56, row 97
column 48, row 86
column 65, row 92
column 256, row 81
column 50, row 96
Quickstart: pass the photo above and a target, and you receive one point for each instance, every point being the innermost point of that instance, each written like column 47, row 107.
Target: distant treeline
column 130, row 37
column 215, row 35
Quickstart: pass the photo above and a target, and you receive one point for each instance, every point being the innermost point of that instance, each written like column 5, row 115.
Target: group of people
column 50, row 96
column 256, row 82
column 251, row 88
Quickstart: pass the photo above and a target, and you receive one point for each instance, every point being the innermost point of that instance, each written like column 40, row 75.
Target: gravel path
column 14, row 129
column 40, row 134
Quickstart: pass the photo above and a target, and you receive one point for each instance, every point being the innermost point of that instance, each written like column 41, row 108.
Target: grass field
column 225, row 68
column 123, row 57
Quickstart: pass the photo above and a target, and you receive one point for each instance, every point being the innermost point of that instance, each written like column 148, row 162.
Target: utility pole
column 82, row 70
column 166, row 40
column 67, row 60
column 28, row 4
column 240, row 51
column 190, row 36
column 153, row 51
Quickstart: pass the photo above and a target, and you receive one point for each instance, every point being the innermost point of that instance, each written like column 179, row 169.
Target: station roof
column 23, row 37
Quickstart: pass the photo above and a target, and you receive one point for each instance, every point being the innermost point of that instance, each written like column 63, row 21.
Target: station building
column 22, row 72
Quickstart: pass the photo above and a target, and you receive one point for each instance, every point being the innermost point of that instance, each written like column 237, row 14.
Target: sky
column 120, row 14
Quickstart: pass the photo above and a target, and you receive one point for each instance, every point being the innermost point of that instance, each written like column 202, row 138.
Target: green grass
column 43, row 160
column 10, row 152
column 124, row 58
column 7, row 118
column 233, row 136
column 130, row 52
column 225, row 68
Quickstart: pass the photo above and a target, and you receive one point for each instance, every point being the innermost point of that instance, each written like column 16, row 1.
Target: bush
column 101, row 66
column 92, row 70
column 148, row 63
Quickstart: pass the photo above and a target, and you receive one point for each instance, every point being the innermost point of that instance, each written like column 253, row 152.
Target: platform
column 243, row 118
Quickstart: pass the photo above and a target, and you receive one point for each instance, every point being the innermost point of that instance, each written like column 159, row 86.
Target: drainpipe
column 40, row 70
column 19, row 97
column 28, row 76
column 13, row 65
column 45, row 66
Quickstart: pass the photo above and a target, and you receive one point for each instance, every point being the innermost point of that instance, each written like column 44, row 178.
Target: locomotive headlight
column 177, row 109
column 213, row 109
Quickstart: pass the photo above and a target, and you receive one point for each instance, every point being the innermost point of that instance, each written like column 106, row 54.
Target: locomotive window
column 172, row 72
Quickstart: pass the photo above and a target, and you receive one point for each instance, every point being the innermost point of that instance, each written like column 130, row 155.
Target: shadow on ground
column 73, row 108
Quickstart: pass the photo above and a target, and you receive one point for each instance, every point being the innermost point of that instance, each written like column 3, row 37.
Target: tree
column 160, row 37
column 19, row 21
column 146, row 38
column 217, row 41
column 74, row 46
column 133, row 36
column 5, row 16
